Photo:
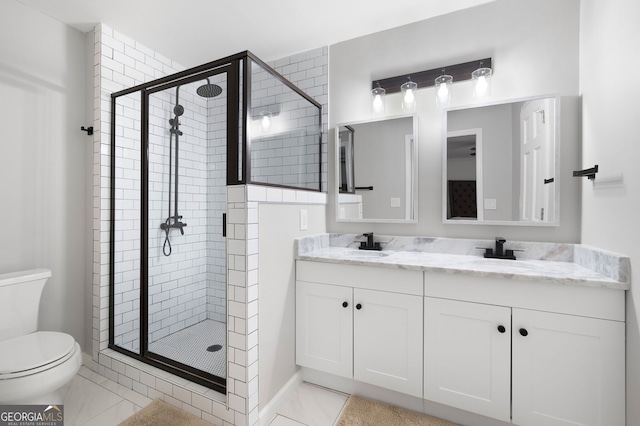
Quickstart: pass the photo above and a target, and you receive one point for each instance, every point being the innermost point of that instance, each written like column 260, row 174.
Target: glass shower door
column 186, row 281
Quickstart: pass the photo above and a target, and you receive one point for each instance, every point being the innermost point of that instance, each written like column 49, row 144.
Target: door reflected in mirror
column 376, row 166
column 500, row 163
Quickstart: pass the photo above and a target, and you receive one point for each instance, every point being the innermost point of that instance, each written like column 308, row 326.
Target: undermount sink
column 505, row 264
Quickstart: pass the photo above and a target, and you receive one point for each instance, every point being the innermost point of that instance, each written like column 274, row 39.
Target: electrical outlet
column 304, row 220
column 490, row 204
column 395, row 202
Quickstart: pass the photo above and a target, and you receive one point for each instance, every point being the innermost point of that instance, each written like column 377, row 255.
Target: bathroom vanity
column 534, row 341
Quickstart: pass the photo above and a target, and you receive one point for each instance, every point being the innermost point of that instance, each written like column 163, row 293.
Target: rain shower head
column 209, row 90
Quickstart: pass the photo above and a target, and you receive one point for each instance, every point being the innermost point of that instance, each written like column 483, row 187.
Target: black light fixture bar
column 459, row 72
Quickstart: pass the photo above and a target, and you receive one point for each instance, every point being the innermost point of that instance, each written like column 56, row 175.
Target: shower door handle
column 224, row 224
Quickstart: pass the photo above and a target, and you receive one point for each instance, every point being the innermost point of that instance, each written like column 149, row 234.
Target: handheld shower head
column 209, row 90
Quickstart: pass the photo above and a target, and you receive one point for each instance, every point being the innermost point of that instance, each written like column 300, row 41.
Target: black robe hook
column 89, row 130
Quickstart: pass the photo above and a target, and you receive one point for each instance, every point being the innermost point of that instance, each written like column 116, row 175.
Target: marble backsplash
column 607, row 263
column 611, row 265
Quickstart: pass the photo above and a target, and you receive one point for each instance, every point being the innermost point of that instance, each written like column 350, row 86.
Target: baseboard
column 271, row 408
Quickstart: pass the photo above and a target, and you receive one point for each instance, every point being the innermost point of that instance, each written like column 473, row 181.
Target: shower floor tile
column 189, row 346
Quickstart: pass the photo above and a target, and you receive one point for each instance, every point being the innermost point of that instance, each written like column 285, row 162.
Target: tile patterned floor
column 189, row 346
column 93, row 400
column 311, row 405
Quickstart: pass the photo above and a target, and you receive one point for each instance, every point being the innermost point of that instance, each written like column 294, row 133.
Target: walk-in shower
column 177, row 143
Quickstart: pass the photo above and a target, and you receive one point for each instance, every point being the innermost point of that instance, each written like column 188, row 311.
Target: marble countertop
column 550, row 271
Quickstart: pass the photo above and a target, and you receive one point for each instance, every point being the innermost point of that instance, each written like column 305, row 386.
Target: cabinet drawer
column 367, row 277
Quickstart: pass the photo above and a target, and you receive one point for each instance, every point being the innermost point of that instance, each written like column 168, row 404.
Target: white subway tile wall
column 217, row 202
column 309, row 71
column 121, row 62
column 178, row 282
column 127, row 224
column 285, row 134
column 178, row 293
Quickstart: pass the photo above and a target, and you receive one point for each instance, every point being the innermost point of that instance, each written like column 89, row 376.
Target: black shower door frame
column 232, row 69
column 238, row 69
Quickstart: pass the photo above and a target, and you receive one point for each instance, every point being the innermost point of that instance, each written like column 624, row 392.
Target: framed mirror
column 500, row 163
column 376, row 165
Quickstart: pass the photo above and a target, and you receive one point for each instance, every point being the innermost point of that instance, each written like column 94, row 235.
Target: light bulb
column 481, row 86
column 409, row 97
column 443, row 93
column 482, row 83
column 266, row 123
column 378, row 106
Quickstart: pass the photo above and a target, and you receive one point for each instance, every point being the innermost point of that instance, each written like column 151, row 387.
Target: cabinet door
column 467, row 356
column 324, row 328
column 388, row 340
column 567, row 370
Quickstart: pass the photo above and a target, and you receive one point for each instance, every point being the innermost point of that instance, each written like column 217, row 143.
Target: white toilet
column 34, row 365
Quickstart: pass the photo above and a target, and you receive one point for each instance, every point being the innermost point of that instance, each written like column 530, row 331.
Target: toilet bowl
column 34, row 365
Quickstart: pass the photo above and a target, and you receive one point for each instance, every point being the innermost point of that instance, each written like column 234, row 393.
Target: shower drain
column 214, row 348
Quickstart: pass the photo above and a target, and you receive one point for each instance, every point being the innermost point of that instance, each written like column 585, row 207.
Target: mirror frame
column 414, row 171
column 557, row 177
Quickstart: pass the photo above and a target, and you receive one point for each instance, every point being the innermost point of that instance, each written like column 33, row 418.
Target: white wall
column 609, row 40
column 88, row 189
column 42, row 160
column 534, row 46
column 278, row 226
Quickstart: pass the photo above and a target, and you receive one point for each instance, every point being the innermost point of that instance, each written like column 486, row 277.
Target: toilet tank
column 20, row 301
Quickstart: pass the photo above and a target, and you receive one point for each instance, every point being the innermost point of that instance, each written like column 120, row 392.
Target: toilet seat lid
column 33, row 350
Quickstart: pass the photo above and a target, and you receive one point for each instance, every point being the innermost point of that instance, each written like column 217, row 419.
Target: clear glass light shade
column 409, row 96
column 481, row 82
column 443, row 89
column 377, row 100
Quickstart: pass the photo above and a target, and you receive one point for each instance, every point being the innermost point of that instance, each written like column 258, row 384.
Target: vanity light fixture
column 409, row 95
column 377, row 99
column 443, row 89
column 458, row 72
column 481, row 81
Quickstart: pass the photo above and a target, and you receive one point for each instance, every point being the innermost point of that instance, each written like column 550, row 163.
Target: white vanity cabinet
column 526, row 352
column 467, row 356
column 361, row 323
column 324, row 327
column 567, row 370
